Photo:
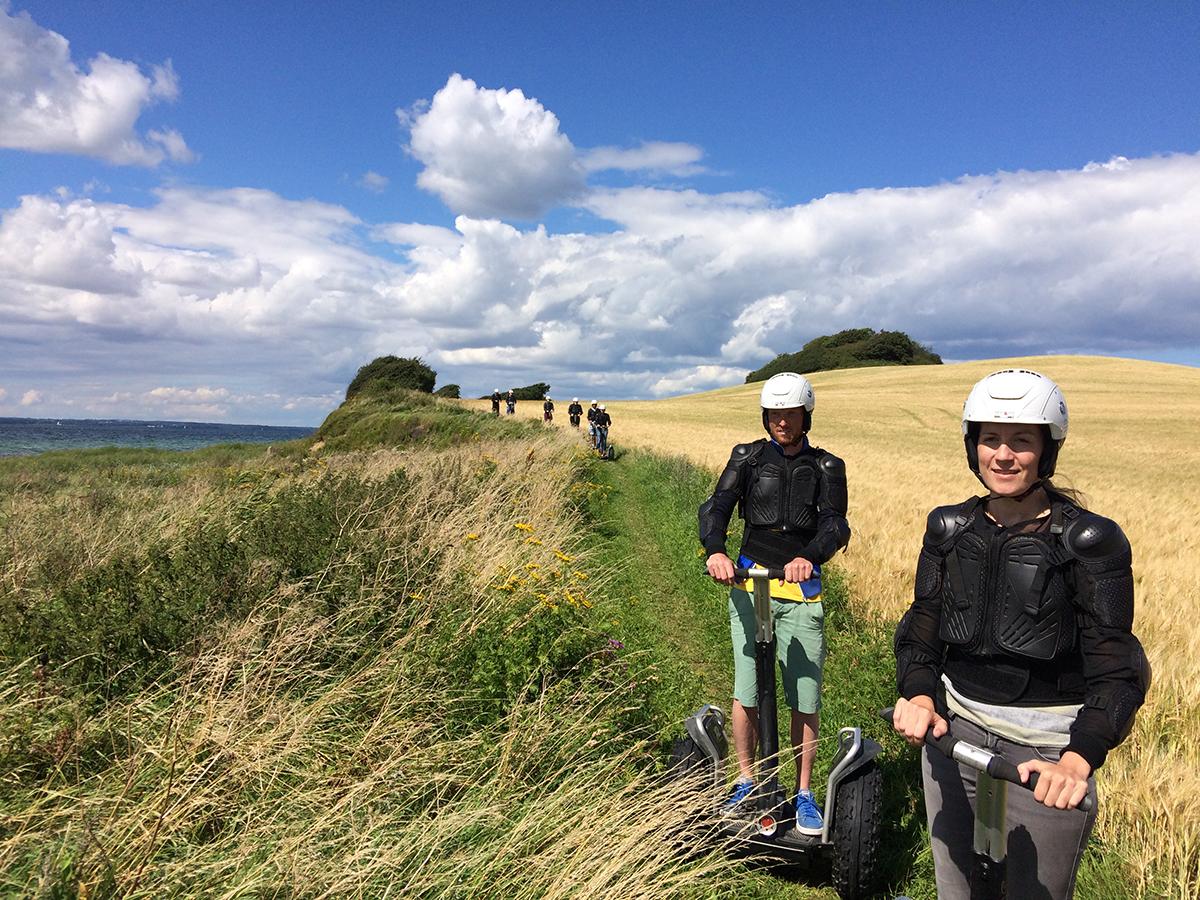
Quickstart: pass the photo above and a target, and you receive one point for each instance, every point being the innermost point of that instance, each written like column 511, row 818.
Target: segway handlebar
column 982, row 760
column 757, row 572
column 743, row 574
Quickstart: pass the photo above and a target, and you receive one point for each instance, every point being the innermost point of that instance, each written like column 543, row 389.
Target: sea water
column 24, row 436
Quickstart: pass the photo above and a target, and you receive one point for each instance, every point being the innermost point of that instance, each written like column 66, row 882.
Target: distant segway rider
column 601, row 423
column 548, row 409
column 510, row 402
column 1020, row 640
column 496, row 401
column 792, row 497
column 591, row 417
column 575, row 412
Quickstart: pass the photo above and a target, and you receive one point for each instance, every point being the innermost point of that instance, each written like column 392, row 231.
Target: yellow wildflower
column 523, row 526
column 472, row 536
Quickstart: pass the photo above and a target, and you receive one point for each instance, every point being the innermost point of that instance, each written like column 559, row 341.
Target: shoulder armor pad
column 945, row 522
column 743, row 452
column 1092, row 537
column 832, row 465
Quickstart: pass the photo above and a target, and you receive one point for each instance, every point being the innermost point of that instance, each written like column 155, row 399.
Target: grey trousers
column 1044, row 845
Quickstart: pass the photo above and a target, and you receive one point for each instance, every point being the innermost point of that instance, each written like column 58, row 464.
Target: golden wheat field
column 1132, row 451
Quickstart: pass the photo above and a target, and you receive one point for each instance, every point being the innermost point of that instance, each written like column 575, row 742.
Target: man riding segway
column 592, row 412
column 574, row 412
column 793, row 498
column 601, row 422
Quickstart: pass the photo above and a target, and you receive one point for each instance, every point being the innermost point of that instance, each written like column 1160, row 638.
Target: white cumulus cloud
column 50, row 105
column 31, row 398
column 492, row 153
column 256, row 296
column 650, row 156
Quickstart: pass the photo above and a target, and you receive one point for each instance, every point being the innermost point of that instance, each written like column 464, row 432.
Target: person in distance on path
column 1019, row 640
column 575, row 412
column 547, row 410
column 496, row 401
column 792, row 497
column 591, row 417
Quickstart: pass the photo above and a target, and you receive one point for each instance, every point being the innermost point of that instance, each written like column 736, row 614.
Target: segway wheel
column 686, row 758
column 857, row 819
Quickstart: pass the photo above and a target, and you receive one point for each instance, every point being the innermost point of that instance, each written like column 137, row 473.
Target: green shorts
column 799, row 647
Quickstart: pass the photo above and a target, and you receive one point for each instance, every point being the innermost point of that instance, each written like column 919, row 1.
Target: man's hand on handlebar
column 799, row 569
column 720, row 567
column 912, row 718
column 1061, row 785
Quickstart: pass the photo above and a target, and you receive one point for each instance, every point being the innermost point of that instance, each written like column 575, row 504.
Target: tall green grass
column 368, row 674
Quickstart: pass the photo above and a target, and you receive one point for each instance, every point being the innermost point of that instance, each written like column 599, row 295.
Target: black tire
column 857, row 821
column 686, row 758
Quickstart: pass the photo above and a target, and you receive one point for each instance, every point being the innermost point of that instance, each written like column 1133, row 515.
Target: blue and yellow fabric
column 808, row 591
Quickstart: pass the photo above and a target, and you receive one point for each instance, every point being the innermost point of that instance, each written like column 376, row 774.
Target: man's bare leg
column 804, row 744
column 745, row 737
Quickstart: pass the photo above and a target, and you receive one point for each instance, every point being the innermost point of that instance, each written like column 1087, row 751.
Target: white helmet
column 1020, row 396
column 574, row 399
column 602, row 406
column 787, row 390
column 594, row 402
column 495, row 390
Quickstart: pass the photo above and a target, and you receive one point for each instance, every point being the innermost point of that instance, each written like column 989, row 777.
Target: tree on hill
column 448, row 390
column 393, row 372
column 850, row 349
column 530, row 392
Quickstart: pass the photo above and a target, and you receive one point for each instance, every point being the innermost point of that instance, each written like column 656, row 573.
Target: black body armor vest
column 782, row 492
column 1008, row 620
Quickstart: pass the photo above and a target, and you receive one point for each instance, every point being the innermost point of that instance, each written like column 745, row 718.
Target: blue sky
column 622, row 201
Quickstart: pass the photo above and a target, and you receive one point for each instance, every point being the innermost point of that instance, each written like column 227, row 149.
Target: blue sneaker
column 742, row 788
column 808, row 814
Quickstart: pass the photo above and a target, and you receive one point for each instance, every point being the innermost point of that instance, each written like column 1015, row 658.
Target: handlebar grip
column 999, row 767
column 742, row 574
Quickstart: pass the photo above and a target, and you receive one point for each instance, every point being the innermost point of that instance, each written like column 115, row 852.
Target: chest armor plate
column 783, row 494
column 1007, row 595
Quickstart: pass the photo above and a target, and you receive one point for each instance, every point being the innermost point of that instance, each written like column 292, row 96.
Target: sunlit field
column 1131, row 450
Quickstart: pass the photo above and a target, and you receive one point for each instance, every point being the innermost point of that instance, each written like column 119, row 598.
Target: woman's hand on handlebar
column 1061, row 784
column 912, row 718
column 720, row 567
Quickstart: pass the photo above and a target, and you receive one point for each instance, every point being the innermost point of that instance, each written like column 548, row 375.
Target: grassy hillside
column 1131, row 443
column 371, row 673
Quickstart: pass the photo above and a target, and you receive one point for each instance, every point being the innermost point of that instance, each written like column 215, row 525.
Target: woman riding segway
column 1018, row 640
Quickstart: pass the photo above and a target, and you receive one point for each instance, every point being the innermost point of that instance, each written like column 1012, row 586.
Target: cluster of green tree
column 850, row 349
column 386, row 372
column 535, row 391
